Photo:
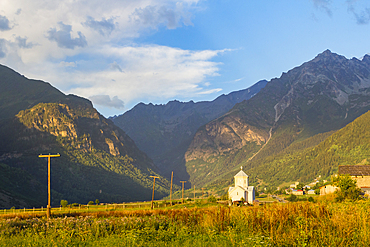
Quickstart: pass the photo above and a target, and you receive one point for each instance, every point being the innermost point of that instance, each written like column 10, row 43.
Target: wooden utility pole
column 171, row 189
column 48, row 210
column 153, row 189
column 182, row 200
column 194, row 193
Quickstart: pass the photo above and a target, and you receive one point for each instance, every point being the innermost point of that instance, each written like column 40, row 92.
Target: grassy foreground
column 291, row 224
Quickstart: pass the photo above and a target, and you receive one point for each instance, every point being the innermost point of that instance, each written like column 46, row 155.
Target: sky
column 118, row 53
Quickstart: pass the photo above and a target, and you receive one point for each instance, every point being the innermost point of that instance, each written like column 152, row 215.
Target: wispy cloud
column 104, row 27
column 67, row 64
column 64, row 39
column 323, row 5
column 115, row 66
column 22, row 43
column 152, row 16
column 362, row 17
column 216, row 90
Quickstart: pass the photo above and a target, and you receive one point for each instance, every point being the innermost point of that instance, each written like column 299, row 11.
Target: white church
column 241, row 189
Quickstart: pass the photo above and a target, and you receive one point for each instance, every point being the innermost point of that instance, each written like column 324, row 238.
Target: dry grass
column 290, row 224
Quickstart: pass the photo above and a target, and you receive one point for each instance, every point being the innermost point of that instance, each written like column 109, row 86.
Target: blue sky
column 121, row 53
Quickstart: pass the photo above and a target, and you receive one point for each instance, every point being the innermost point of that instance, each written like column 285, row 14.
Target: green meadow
column 324, row 223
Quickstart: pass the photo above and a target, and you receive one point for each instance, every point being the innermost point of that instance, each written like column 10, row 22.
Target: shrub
column 64, row 203
column 212, row 199
column 348, row 189
column 292, row 198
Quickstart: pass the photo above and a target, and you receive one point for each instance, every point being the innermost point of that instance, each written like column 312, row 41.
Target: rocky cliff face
column 224, row 136
column 83, row 129
column 321, row 95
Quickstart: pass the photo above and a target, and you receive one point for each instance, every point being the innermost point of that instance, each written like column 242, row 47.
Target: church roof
column 241, row 174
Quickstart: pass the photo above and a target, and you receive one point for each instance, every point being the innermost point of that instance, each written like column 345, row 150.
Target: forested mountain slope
column 98, row 160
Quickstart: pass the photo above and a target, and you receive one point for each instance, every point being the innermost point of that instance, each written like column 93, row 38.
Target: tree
column 90, row 203
column 292, row 198
column 300, row 186
column 348, row 188
column 97, row 202
column 212, row 199
column 64, row 203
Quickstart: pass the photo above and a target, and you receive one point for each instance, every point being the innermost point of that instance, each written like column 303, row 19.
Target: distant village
column 242, row 192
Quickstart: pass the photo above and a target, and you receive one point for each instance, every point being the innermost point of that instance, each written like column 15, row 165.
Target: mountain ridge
column 165, row 131
column 318, row 96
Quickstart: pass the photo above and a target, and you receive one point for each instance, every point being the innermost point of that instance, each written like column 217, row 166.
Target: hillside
column 164, row 132
column 98, row 160
column 319, row 96
column 347, row 146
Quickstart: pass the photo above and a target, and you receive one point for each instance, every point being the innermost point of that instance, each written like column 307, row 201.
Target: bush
column 348, row 189
column 212, row 199
column 64, row 203
column 292, row 198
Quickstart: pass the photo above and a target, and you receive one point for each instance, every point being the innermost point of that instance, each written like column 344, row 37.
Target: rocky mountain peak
column 328, row 56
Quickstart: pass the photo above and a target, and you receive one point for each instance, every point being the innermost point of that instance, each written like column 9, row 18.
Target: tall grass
column 292, row 224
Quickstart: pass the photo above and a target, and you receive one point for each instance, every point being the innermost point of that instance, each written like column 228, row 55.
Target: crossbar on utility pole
column 171, row 189
column 182, row 200
column 48, row 210
column 153, row 189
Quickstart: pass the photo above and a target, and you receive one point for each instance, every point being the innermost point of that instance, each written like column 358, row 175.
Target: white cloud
column 87, row 48
column 67, row 64
column 152, row 72
column 105, row 100
column 216, row 90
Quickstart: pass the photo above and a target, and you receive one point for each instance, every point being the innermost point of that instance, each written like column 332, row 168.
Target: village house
column 297, row 192
column 311, row 192
column 360, row 173
column 242, row 191
column 294, row 186
column 327, row 189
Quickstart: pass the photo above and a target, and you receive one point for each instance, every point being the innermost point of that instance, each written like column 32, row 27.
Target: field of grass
column 275, row 224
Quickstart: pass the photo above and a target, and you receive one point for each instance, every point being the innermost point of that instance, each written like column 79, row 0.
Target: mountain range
column 294, row 112
column 300, row 108
column 297, row 127
column 164, row 132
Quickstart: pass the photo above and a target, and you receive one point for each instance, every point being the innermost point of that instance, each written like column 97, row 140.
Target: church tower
column 241, row 179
